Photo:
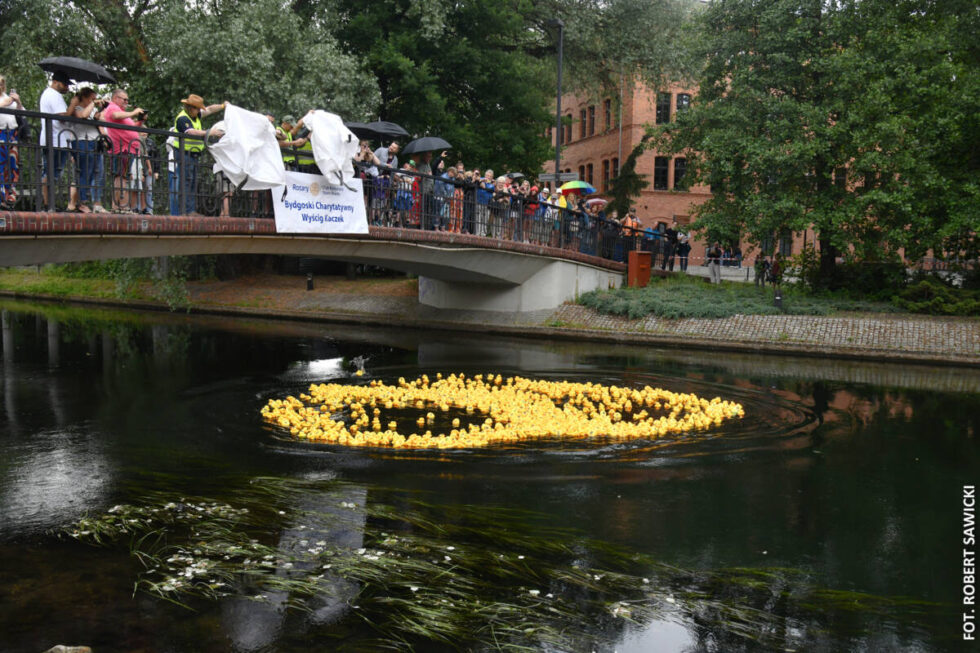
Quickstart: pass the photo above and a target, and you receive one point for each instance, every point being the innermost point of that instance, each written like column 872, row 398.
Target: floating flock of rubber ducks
column 494, row 410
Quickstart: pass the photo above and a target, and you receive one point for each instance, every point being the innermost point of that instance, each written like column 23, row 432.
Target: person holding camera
column 125, row 146
column 9, row 159
column 85, row 154
column 184, row 180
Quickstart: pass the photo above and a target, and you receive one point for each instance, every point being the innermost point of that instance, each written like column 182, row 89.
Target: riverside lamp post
column 557, row 22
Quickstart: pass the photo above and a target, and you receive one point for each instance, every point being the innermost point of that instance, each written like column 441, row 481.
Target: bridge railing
column 154, row 171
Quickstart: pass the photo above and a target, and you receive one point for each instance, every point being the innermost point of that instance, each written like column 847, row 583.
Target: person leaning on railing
column 184, row 181
column 9, row 159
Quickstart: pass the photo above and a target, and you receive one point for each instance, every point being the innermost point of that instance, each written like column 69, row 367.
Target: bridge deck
column 43, row 225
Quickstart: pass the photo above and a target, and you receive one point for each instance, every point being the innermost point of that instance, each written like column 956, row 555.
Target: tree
column 837, row 115
column 481, row 73
column 257, row 54
column 628, row 184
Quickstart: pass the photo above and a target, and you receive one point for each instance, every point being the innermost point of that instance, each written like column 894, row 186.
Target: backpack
column 23, row 129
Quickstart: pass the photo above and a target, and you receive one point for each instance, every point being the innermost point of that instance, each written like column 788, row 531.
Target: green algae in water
column 460, row 577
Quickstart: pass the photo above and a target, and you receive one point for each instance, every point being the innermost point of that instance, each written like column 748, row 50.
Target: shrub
column 932, row 296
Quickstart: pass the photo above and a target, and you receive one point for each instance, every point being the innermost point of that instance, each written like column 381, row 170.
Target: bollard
column 778, row 299
column 309, row 281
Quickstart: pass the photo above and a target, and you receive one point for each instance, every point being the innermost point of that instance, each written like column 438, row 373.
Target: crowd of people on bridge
column 421, row 191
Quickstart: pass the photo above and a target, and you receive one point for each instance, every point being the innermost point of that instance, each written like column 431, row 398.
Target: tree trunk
column 828, row 261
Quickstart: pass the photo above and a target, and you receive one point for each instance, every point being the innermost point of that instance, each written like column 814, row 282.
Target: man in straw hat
column 188, row 123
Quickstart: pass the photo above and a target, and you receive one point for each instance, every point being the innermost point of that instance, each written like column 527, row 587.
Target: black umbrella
column 361, row 129
column 386, row 129
column 426, row 144
column 77, row 69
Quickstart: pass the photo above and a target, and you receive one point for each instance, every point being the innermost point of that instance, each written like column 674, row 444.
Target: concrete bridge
column 459, row 271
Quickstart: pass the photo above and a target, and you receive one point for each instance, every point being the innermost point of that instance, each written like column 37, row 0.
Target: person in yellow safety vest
column 304, row 158
column 183, row 181
column 284, row 134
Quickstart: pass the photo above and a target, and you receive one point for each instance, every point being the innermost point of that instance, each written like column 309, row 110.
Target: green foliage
column 257, row 54
column 164, row 279
column 804, row 267
column 859, row 118
column 480, row 73
column 874, row 279
column 628, row 184
column 930, row 295
column 684, row 296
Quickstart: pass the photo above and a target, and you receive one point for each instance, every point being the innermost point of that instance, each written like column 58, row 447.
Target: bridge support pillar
column 549, row 287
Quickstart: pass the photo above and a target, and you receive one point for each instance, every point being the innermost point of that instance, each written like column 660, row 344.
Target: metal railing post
column 49, row 156
column 181, row 176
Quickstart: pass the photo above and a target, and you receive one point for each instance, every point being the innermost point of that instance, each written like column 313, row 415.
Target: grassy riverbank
column 685, row 296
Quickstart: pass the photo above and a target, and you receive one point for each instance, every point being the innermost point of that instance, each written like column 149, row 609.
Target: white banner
column 311, row 205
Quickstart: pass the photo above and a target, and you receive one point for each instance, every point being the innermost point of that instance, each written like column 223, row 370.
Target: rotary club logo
column 314, row 188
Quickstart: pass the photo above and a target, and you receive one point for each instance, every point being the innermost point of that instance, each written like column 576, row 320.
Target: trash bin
column 638, row 269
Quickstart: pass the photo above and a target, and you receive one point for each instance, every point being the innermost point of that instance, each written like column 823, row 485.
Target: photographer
column 184, row 179
column 86, row 155
column 9, row 159
column 125, row 145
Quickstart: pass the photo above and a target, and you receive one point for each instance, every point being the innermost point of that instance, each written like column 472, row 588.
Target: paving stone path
column 889, row 335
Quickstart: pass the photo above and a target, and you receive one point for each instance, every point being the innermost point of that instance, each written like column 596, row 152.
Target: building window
column 661, row 166
column 581, row 173
column 786, row 243
column 683, row 101
column 663, row 108
column 592, row 120
column 605, row 175
column 680, row 167
column 607, row 109
column 551, row 135
column 568, row 130
column 840, row 178
column 581, row 127
column 588, row 174
column 615, row 167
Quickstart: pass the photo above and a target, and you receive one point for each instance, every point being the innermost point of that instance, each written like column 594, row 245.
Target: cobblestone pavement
column 893, row 335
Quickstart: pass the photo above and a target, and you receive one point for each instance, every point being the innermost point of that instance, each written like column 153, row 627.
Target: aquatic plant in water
column 465, row 577
column 491, row 410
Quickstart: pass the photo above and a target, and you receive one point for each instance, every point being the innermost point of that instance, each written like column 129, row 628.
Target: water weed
column 422, row 575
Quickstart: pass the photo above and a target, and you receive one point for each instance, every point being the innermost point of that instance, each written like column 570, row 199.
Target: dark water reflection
column 850, row 473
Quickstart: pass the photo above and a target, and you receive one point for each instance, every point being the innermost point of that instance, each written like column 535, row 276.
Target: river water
column 829, row 518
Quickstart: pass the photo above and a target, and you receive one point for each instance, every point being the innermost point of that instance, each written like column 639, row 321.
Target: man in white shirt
column 53, row 102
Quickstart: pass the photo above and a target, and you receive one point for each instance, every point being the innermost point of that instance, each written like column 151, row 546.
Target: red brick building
column 601, row 134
